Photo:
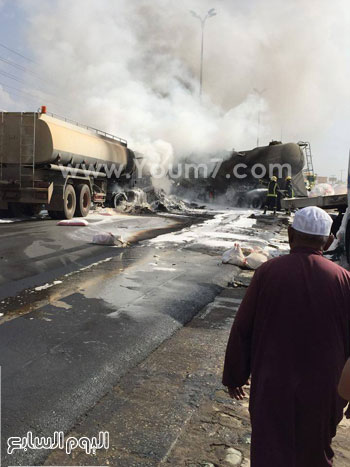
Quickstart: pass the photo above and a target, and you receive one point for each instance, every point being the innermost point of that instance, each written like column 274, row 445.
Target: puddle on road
column 77, row 282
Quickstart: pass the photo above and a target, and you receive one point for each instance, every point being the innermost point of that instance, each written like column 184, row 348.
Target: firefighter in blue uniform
column 272, row 194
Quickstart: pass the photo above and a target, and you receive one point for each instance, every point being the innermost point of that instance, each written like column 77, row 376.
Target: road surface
column 35, row 252
column 64, row 347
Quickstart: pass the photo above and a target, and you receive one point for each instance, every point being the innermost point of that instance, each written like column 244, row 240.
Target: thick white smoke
column 131, row 67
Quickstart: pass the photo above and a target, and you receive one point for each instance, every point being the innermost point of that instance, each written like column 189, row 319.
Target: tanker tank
column 48, row 160
column 242, row 177
column 61, row 142
column 288, row 157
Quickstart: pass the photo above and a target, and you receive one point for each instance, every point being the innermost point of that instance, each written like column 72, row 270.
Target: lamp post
column 203, row 20
column 260, row 93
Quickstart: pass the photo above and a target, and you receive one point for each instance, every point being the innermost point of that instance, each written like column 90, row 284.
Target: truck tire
column 83, row 200
column 118, row 198
column 69, row 202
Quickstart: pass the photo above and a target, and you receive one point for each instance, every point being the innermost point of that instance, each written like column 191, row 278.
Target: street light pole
column 260, row 93
column 202, row 51
column 203, row 20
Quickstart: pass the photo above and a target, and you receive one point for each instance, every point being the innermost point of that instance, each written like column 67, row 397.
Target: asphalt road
column 58, row 360
column 33, row 253
column 59, row 356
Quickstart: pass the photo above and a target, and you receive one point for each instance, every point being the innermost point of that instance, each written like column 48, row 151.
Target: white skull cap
column 313, row 221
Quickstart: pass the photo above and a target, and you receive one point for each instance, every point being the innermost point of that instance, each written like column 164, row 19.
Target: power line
column 19, row 90
column 14, row 64
column 20, row 67
column 15, row 78
column 10, row 76
column 29, row 99
column 37, row 97
column 17, row 53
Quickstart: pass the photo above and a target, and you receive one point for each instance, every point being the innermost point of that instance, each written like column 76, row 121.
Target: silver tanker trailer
column 45, row 159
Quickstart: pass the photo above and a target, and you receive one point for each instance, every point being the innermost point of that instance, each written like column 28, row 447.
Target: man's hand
column 236, row 393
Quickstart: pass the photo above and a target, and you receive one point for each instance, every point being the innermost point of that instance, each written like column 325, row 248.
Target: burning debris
column 138, row 201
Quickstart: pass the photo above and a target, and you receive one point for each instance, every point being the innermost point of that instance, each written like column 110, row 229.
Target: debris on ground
column 47, row 286
column 234, row 256
column 139, row 202
column 241, row 278
column 268, row 241
column 218, row 234
column 73, row 222
column 107, row 238
column 255, row 259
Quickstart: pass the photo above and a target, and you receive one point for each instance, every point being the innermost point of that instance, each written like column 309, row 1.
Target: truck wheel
column 118, row 198
column 69, row 202
column 83, row 200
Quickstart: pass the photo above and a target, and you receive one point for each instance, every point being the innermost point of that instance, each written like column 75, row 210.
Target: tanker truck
column 49, row 160
column 243, row 176
column 257, row 166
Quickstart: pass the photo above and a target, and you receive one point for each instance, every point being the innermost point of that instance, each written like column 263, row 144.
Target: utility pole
column 203, row 20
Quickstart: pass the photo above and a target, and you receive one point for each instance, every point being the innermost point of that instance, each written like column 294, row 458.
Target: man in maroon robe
column 291, row 334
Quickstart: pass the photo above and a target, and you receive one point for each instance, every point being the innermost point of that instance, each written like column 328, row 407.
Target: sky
column 132, row 68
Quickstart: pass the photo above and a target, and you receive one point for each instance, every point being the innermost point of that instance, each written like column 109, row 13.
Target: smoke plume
column 132, row 68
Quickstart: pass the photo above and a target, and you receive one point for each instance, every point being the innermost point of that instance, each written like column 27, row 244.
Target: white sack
column 105, row 238
column 234, row 256
column 73, row 222
column 255, row 259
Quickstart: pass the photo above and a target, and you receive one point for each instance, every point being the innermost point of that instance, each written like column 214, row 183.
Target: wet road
column 63, row 356
column 33, row 253
column 65, row 347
